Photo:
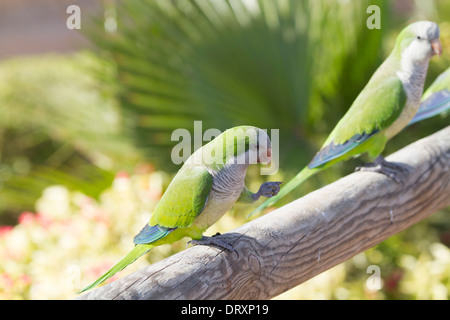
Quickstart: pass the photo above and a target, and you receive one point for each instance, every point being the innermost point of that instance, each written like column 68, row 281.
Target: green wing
column 184, row 199
column 375, row 109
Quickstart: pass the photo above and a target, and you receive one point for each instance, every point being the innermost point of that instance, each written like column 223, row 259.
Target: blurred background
column 86, row 118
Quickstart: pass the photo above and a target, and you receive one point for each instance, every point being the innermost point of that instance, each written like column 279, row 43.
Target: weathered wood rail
column 304, row 238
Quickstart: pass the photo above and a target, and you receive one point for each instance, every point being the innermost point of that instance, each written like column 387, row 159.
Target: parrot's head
column 247, row 145
column 419, row 41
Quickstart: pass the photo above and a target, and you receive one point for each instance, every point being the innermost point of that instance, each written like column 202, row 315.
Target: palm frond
column 266, row 63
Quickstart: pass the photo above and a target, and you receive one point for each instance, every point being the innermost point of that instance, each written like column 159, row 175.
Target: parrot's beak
column 266, row 159
column 437, row 46
column 269, row 156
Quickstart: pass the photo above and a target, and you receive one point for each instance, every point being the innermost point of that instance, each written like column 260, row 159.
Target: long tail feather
column 301, row 177
column 132, row 256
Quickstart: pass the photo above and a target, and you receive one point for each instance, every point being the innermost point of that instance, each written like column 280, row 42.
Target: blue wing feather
column 150, row 234
column 435, row 104
column 334, row 151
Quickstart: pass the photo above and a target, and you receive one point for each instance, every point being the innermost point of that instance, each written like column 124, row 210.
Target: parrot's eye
column 419, row 38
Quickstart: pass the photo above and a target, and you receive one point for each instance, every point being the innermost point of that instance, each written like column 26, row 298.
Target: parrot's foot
column 268, row 190
column 392, row 170
column 212, row 241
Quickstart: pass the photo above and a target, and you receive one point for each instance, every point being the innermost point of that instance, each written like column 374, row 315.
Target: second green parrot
column 384, row 107
column 204, row 189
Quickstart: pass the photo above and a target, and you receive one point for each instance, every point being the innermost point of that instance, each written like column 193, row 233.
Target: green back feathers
column 184, row 199
column 187, row 194
column 376, row 108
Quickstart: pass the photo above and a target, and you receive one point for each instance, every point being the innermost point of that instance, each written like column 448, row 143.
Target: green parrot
column 384, row 107
column 209, row 183
column 436, row 98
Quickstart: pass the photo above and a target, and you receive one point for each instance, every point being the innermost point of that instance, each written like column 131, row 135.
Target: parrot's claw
column 392, row 170
column 269, row 189
column 212, row 241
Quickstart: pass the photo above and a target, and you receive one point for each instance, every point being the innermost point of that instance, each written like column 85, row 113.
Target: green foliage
column 58, row 125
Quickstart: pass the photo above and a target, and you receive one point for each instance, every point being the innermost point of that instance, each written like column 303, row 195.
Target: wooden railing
column 292, row 244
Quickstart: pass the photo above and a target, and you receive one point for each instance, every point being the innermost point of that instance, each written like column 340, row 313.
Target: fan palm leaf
column 229, row 62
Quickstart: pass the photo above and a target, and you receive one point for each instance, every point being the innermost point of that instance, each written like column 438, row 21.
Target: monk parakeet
column 209, row 183
column 383, row 108
column 436, row 98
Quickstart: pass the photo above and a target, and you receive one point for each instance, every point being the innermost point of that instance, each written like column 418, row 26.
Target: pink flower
column 7, row 281
column 26, row 218
column 393, row 280
column 122, row 175
column 44, row 220
column 155, row 194
column 98, row 269
column 4, row 230
column 102, row 217
column 25, row 279
column 90, row 212
column 144, row 168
